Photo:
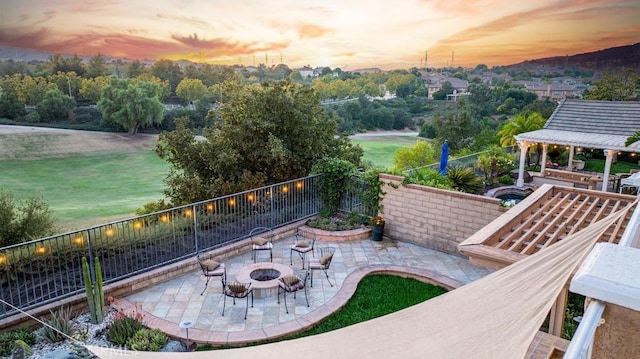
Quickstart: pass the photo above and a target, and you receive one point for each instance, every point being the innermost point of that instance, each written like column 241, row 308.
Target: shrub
column 151, row 340
column 21, row 222
column 336, row 174
column 60, row 326
column 464, row 179
column 32, row 117
column 506, row 180
column 8, row 340
column 152, row 207
column 428, row 177
column 124, row 328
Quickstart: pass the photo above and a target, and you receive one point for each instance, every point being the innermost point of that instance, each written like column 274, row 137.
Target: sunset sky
column 348, row 34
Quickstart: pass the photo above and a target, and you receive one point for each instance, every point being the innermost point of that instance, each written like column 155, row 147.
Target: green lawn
column 380, row 150
column 597, row 165
column 83, row 187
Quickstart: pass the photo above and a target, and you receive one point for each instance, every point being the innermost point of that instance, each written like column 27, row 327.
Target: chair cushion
column 259, row 241
column 210, row 264
column 302, row 244
column 237, row 287
column 326, row 258
column 290, row 279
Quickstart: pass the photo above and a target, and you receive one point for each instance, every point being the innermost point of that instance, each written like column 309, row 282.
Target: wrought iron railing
column 48, row 269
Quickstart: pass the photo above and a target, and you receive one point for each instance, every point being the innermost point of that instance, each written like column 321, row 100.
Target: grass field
column 96, row 187
column 90, row 178
column 380, row 150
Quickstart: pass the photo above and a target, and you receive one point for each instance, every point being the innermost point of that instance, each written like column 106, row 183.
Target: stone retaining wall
column 434, row 218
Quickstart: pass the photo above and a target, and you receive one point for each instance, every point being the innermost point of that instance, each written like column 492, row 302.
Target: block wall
column 432, row 217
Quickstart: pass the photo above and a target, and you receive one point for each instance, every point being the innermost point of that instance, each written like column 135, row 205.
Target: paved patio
column 170, row 303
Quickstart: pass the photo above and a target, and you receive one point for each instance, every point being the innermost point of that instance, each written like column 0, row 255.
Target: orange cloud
column 311, row 30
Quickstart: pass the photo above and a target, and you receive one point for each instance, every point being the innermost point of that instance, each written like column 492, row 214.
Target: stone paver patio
column 168, row 304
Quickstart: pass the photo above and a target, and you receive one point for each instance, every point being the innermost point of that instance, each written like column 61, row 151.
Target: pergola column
column 570, row 163
column 607, row 169
column 523, row 155
column 543, row 164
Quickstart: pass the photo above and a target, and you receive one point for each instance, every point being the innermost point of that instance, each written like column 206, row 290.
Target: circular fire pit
column 263, row 277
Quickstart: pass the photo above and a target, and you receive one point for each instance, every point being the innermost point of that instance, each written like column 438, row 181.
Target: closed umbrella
column 444, row 159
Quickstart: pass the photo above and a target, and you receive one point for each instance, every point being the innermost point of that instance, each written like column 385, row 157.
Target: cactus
column 95, row 295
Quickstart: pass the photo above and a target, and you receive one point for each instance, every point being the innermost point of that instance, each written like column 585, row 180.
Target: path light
column 232, row 202
column 250, row 197
column 186, row 325
column 285, row 189
column 3, row 259
column 79, row 240
column 210, row 207
column 138, row 225
column 41, row 250
column 164, row 218
column 299, row 185
column 188, row 212
column 109, row 232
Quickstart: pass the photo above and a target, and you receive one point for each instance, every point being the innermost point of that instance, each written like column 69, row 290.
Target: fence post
column 195, row 226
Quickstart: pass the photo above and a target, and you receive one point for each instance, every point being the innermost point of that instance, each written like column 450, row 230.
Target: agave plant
column 464, row 179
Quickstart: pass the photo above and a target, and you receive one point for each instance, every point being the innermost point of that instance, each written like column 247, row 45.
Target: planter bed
column 335, row 236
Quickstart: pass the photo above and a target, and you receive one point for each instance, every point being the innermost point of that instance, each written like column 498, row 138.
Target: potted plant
column 377, row 227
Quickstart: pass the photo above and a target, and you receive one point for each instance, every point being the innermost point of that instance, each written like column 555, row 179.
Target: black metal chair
column 237, row 290
column 211, row 268
column 323, row 263
column 293, row 284
column 261, row 240
column 302, row 246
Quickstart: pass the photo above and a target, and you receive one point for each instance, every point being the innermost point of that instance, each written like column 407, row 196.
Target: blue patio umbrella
column 444, row 159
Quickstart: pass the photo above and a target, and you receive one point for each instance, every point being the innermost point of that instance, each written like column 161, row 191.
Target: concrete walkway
column 166, row 305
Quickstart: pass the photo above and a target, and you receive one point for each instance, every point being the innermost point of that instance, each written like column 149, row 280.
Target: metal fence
column 48, row 269
column 465, row 161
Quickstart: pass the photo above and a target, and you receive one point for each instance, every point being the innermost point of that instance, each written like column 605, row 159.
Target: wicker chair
column 323, row 263
column 293, row 284
column 302, row 246
column 211, row 268
column 261, row 240
column 237, row 290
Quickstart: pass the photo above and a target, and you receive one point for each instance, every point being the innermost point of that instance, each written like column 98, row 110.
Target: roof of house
column 596, row 124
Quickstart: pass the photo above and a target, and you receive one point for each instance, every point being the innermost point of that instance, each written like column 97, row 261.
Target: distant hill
column 612, row 58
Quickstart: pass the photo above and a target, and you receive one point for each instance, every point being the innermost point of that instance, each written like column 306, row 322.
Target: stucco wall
column 619, row 336
column 432, row 217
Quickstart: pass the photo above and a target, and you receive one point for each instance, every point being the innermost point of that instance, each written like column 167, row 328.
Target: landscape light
column 137, row 225
column 299, row 185
column 78, row 240
column 285, row 189
column 210, row 207
column 109, row 232
column 250, row 197
column 3, row 259
column 41, row 250
column 164, row 218
column 188, row 212
column 232, row 202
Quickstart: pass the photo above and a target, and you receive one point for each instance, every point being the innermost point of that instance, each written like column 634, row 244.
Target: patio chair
column 323, row 263
column 211, row 268
column 261, row 240
column 239, row 291
column 292, row 284
column 302, row 246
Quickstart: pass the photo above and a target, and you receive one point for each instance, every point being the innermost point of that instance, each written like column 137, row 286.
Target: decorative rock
column 173, row 346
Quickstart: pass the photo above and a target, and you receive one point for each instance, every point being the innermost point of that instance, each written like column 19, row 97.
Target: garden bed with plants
column 339, row 227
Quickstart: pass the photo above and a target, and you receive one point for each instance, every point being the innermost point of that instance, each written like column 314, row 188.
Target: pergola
column 603, row 125
column 543, row 219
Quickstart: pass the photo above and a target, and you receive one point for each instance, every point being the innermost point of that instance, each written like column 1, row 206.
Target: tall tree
column 191, row 90
column 266, row 134
column 623, row 86
column 167, row 70
column 131, row 105
column 55, row 106
column 91, row 89
column 136, row 68
column 68, row 83
column 97, row 66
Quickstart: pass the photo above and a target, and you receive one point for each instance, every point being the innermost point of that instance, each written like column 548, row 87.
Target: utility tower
column 425, row 60
column 452, row 59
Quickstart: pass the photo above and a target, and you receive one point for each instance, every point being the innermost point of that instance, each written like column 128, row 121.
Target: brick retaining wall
column 434, row 218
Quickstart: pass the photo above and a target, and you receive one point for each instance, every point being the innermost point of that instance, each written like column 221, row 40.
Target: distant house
column 554, row 91
column 307, row 72
column 434, row 81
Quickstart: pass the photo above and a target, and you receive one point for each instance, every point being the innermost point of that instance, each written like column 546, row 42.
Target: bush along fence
column 48, row 269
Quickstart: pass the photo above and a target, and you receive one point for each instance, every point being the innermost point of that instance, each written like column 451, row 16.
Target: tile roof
column 596, row 124
column 620, row 118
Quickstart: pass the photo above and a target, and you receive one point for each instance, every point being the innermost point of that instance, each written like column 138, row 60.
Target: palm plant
column 521, row 123
column 632, row 139
column 464, row 179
